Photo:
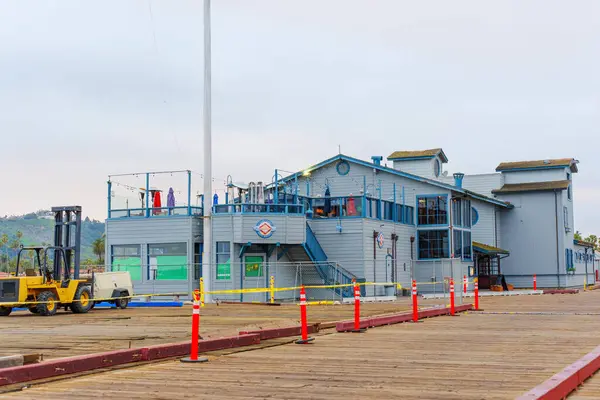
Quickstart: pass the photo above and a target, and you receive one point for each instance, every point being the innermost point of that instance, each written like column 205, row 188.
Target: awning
column 488, row 250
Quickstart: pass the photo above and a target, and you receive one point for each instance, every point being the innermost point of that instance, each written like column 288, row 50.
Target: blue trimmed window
column 474, row 216
column 433, row 244
column 466, row 243
column 458, row 249
column 437, row 168
column 432, row 210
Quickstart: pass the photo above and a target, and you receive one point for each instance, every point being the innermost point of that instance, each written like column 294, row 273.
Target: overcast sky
column 98, row 87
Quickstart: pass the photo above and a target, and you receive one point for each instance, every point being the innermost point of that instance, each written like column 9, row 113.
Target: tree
column 593, row 239
column 577, row 235
column 98, row 247
column 4, row 245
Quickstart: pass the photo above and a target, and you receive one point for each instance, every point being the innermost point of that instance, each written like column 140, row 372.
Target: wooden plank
column 492, row 356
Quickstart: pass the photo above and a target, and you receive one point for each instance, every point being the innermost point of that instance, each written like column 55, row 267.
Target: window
column 466, row 242
column 466, row 213
column 198, row 249
column 566, row 218
column 253, row 266
column 409, row 215
column 127, row 258
column 388, row 210
column 223, row 260
column 433, row 210
column 433, row 244
column 569, row 194
column 437, row 168
column 474, row 216
column 457, row 235
column 456, row 212
column 167, row 261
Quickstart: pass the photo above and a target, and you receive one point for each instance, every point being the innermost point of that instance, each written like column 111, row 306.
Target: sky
column 93, row 88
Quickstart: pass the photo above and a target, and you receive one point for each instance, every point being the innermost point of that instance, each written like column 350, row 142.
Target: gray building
column 346, row 219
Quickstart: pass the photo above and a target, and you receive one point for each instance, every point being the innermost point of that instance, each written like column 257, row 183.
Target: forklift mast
column 67, row 224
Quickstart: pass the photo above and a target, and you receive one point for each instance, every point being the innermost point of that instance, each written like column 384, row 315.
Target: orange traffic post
column 414, row 302
column 305, row 339
column 534, row 282
column 193, row 358
column 357, row 328
column 476, row 289
column 464, row 284
column 452, row 312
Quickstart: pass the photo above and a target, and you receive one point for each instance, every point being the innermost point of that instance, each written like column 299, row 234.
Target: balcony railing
column 248, row 208
column 156, row 212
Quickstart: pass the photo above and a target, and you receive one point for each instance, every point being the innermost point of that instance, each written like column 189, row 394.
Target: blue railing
column 156, row 212
column 249, row 208
column 331, row 273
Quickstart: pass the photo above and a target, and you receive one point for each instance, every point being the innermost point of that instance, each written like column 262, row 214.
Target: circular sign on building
column 264, row 228
column 380, row 240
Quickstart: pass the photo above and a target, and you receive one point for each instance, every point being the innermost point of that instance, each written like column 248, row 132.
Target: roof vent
column 377, row 160
column 458, row 178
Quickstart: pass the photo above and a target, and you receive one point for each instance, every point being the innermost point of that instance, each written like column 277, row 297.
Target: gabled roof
column 532, row 187
column 539, row 164
column 487, row 249
column 415, row 154
column 397, row 173
column 583, row 243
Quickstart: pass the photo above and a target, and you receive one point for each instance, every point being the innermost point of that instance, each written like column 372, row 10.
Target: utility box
column 112, row 285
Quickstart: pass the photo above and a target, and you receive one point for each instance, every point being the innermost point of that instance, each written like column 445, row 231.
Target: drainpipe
column 557, row 253
column 375, row 234
column 586, row 270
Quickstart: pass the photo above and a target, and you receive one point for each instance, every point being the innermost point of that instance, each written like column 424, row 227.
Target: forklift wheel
column 82, row 302
column 5, row 311
column 49, row 305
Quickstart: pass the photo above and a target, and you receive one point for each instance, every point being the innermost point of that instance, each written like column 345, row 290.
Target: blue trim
column 425, row 196
column 340, row 164
column 109, row 197
column 189, row 197
column 474, row 216
column 405, row 175
column 449, row 243
column 147, row 195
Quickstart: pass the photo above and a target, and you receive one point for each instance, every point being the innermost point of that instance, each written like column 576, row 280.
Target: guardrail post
column 476, row 288
column 414, row 302
column 452, row 311
column 272, row 288
column 202, row 292
column 534, row 282
column 357, row 309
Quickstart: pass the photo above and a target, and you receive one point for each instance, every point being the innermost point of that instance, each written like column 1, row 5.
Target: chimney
column 458, row 178
column 377, row 160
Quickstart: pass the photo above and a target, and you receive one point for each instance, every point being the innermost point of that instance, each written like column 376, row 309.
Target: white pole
column 207, row 258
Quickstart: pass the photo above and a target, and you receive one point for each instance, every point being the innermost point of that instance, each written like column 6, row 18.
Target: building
column 345, row 218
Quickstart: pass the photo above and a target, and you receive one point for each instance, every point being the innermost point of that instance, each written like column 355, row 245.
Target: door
column 254, row 276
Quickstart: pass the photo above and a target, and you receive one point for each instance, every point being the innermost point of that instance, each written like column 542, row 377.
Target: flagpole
column 207, row 207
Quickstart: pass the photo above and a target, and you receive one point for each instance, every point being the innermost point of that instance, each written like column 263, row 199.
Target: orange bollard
column 534, row 282
column 452, row 312
column 476, row 289
column 305, row 339
column 357, row 328
column 464, row 284
column 414, row 301
column 193, row 358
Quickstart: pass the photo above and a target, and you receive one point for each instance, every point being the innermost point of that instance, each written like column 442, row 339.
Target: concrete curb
column 567, row 380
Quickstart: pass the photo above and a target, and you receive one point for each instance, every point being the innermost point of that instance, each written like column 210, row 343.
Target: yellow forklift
column 48, row 289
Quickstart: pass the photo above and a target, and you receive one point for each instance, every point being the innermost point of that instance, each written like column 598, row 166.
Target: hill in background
column 38, row 229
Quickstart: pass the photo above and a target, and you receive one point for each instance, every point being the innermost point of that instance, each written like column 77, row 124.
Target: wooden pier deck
column 516, row 344
column 67, row 334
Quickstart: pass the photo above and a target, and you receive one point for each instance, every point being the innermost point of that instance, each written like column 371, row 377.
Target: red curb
column 161, row 351
column 567, row 380
column 345, row 326
column 266, row 334
column 561, row 291
column 69, row 365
